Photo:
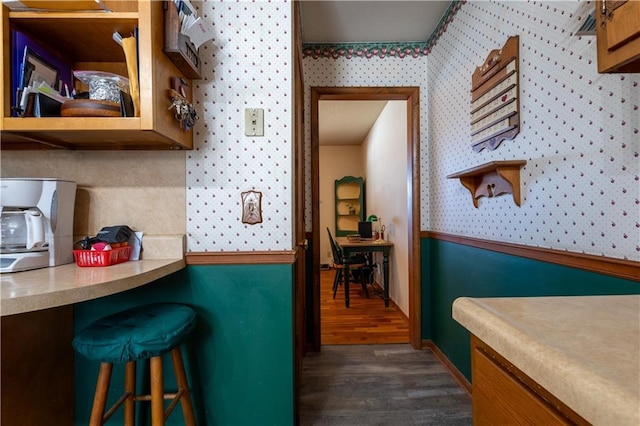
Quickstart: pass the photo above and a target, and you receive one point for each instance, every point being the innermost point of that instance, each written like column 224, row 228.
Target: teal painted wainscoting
column 451, row 270
column 242, row 347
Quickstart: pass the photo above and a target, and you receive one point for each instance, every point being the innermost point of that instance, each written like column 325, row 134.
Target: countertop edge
column 151, row 270
column 537, row 361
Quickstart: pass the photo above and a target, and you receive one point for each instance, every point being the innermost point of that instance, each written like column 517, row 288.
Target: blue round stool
column 144, row 332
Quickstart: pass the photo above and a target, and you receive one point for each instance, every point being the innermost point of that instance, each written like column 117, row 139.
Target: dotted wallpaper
column 579, row 134
column 360, row 71
column 579, row 129
column 248, row 66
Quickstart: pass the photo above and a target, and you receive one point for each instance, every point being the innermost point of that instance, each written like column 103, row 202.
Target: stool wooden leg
column 130, row 389
column 100, row 397
column 157, row 392
column 183, row 386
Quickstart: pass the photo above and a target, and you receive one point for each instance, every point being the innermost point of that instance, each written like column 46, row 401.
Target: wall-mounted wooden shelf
column 492, row 179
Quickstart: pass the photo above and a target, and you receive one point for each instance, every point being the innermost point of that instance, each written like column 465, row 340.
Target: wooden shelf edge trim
column 241, row 257
column 448, row 365
column 619, row 268
column 492, row 179
column 487, row 167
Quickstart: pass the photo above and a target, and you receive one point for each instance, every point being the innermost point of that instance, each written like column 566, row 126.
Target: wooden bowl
column 90, row 108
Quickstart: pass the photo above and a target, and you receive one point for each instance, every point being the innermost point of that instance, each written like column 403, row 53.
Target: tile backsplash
column 142, row 189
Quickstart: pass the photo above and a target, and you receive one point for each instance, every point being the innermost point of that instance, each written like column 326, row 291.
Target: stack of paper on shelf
column 130, row 47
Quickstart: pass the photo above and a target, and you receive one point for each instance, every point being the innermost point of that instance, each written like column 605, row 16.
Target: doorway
column 411, row 96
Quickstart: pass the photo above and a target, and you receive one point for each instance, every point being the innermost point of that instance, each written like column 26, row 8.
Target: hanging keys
column 184, row 112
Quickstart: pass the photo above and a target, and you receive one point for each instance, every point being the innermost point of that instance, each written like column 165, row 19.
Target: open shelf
column 492, row 179
column 84, row 41
column 349, row 205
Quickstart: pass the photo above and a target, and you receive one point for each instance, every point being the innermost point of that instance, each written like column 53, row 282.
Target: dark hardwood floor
column 392, row 384
column 366, row 321
column 366, row 373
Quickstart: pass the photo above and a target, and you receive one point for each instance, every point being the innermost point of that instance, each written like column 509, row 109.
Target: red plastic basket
column 102, row 258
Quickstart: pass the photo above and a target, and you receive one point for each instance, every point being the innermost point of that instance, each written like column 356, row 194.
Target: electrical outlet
column 254, row 122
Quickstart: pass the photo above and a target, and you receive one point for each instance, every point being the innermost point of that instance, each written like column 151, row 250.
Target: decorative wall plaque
column 495, row 104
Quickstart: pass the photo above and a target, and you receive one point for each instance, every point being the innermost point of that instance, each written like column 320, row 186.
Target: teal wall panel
column 240, row 357
column 451, row 270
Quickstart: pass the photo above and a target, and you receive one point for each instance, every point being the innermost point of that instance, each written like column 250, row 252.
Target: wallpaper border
column 619, row 268
column 383, row 49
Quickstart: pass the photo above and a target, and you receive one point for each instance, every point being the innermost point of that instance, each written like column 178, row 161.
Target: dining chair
column 357, row 263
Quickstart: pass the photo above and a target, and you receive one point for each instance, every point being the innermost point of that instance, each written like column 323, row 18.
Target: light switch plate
column 251, row 207
column 254, row 122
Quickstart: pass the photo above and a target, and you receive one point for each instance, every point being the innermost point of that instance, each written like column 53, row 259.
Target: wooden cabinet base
column 502, row 394
column 37, row 368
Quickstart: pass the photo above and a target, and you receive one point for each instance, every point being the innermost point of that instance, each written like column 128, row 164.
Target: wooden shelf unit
column 84, row 39
column 492, row 179
column 349, row 195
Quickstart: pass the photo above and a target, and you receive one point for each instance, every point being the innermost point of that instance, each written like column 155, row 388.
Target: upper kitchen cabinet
column 84, row 41
column 618, row 33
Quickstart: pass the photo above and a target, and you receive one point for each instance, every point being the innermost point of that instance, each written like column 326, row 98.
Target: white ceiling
column 346, row 122
column 334, row 22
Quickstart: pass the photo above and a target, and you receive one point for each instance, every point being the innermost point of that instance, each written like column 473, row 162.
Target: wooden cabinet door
column 504, row 395
column 618, row 32
column 500, row 399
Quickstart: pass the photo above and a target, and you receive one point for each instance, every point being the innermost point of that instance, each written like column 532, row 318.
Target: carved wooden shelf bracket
column 492, row 179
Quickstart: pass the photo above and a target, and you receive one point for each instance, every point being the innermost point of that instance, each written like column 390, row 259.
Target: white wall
column 335, row 163
column 579, row 129
column 579, row 133
column 385, row 152
column 249, row 65
column 369, row 72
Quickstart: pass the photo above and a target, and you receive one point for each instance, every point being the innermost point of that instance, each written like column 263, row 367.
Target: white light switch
column 254, row 122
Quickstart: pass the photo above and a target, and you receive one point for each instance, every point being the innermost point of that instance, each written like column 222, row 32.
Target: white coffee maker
column 36, row 223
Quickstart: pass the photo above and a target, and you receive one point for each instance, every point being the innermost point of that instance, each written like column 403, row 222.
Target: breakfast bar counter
column 68, row 284
column 37, row 326
column 583, row 350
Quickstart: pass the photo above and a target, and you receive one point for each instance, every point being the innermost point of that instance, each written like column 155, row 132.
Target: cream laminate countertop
column 67, row 284
column 585, row 350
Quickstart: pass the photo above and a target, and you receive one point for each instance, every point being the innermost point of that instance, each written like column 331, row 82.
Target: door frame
column 412, row 96
column 300, row 241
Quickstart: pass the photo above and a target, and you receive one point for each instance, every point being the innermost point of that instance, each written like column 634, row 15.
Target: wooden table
column 367, row 246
